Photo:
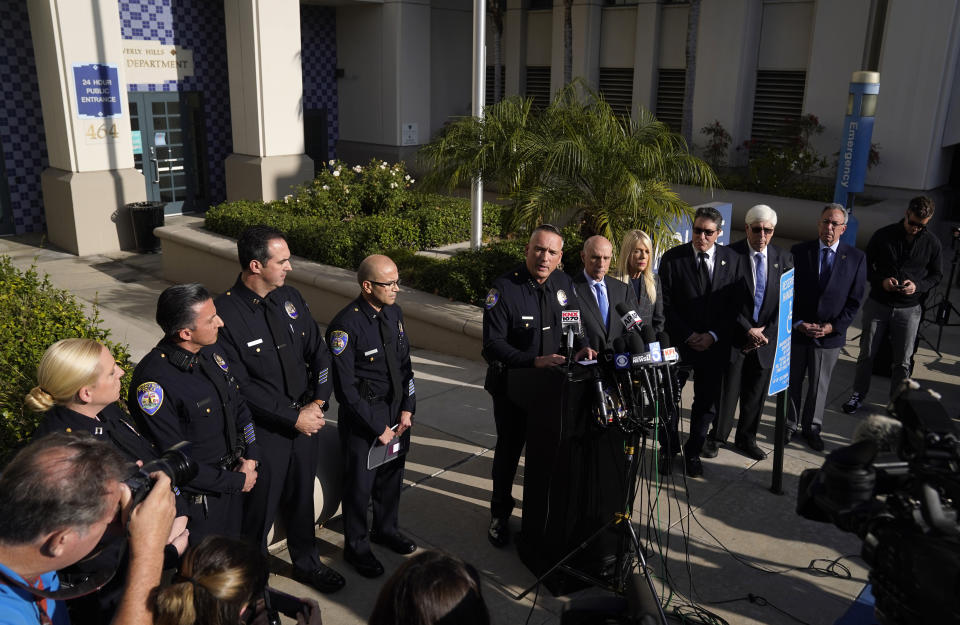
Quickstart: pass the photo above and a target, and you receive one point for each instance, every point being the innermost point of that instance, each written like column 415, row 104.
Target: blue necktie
column 602, row 302
column 826, row 267
column 761, row 286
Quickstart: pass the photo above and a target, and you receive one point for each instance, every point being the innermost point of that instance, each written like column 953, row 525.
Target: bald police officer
column 373, row 379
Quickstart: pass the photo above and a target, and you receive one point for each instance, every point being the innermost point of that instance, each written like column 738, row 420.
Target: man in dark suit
column 701, row 297
column 829, row 286
column 599, row 294
column 755, row 341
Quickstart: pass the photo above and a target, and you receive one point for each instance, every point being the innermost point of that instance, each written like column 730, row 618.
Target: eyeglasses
column 835, row 224
column 919, row 225
column 386, row 285
column 759, row 229
column 704, row 231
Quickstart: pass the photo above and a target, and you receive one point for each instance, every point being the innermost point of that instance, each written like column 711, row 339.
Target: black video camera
column 902, row 503
column 175, row 462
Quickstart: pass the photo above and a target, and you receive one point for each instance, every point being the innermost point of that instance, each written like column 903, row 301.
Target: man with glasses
column 522, row 328
column 829, row 284
column 903, row 265
column 373, row 380
column 755, row 339
column 277, row 353
column 702, row 294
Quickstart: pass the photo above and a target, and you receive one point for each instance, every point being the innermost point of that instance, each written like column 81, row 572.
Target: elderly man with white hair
column 755, row 343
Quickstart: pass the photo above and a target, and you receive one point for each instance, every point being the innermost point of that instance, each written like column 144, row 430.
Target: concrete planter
column 192, row 254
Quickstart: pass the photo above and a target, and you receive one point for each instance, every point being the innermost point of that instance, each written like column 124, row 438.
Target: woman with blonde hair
column 78, row 387
column 635, row 267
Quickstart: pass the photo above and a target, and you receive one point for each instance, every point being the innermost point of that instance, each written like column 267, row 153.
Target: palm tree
column 574, row 160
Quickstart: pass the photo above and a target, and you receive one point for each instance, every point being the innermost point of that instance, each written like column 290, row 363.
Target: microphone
column 882, row 430
column 653, row 344
column 570, row 324
column 670, row 356
column 629, row 318
column 621, row 363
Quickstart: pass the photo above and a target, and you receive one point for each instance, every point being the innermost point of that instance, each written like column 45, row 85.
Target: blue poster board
column 98, row 91
column 780, row 378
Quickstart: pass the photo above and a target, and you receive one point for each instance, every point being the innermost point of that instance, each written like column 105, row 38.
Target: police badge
column 338, row 341
column 291, row 309
column 217, row 358
column 150, row 397
column 562, row 297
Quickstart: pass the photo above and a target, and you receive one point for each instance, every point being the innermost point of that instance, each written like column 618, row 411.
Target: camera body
column 903, row 505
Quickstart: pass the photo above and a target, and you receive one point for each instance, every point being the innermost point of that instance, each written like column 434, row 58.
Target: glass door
column 161, row 150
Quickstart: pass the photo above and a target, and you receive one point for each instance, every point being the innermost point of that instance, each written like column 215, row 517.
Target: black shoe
column 751, row 451
column 813, row 439
column 499, row 532
column 710, row 449
column 323, row 578
column 366, row 564
column 694, row 467
column 852, row 404
column 398, row 543
column 788, row 435
column 664, row 462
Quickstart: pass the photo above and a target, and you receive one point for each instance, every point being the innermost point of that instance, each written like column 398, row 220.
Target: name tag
column 544, row 329
column 371, row 352
column 256, row 342
column 527, row 317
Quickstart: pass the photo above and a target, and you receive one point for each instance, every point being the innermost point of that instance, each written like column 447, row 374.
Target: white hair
column 761, row 212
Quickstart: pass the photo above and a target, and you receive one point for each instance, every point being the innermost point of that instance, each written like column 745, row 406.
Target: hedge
column 34, row 315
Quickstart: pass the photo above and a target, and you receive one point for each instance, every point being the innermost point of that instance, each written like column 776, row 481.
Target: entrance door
column 163, row 150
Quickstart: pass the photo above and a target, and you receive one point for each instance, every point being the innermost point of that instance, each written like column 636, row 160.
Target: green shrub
column 34, row 315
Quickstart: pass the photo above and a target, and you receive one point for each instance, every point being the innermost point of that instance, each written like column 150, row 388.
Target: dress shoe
column 323, row 578
column 366, row 564
column 813, row 439
column 852, row 404
column 693, row 466
column 664, row 462
column 751, row 450
column 397, row 542
column 788, row 435
column 499, row 532
column 710, row 449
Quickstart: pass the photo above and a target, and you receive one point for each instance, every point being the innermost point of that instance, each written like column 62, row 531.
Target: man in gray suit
column 599, row 294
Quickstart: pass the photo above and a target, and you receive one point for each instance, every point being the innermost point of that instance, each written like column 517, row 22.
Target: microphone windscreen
column 882, row 430
column 619, row 345
column 649, row 336
column 664, row 339
column 622, row 308
column 636, row 345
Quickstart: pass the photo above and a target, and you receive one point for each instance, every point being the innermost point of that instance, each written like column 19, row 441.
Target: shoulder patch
column 562, row 297
column 338, row 341
column 291, row 309
column 150, row 397
column 217, row 358
column 493, row 296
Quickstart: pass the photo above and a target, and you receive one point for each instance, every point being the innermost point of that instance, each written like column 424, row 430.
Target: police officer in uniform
column 283, row 366
column 521, row 328
column 184, row 390
column 373, row 379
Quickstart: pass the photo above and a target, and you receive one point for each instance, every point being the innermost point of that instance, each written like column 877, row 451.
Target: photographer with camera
column 183, row 390
column 58, row 496
column 223, row 582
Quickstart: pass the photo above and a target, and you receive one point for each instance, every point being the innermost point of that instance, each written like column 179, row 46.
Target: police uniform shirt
column 360, row 364
column 176, row 395
column 255, row 359
column 515, row 330
column 112, row 426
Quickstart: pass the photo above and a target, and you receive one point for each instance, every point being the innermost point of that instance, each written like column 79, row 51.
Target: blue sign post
column 855, row 144
column 780, row 376
column 98, row 91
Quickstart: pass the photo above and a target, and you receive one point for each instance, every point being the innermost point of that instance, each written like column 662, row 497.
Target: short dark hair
column 175, row 306
column 56, row 482
column 710, row 213
column 254, row 242
column 921, row 206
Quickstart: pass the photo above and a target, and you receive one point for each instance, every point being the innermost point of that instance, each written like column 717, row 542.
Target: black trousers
column 747, row 381
column 222, row 515
column 708, row 371
column 285, row 482
column 511, row 423
column 361, row 485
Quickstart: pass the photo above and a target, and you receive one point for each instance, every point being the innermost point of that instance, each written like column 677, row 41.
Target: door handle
column 156, row 169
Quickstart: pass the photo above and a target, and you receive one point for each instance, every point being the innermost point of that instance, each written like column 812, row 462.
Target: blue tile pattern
column 318, row 37
column 21, row 133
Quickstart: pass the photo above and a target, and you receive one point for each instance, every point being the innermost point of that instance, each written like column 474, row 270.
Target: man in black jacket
column 599, row 294
column 755, row 336
column 701, row 299
column 903, row 265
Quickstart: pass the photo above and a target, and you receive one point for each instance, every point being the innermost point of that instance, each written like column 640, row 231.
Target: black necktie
column 544, row 313
column 704, row 273
column 390, row 354
column 289, row 363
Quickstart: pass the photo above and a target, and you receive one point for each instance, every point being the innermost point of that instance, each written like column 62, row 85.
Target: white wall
column 618, row 29
column 360, row 55
column 785, row 35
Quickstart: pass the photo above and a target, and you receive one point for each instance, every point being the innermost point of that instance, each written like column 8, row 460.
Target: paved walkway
column 722, row 537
